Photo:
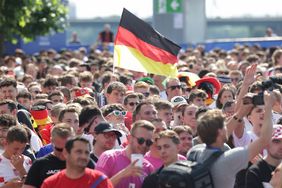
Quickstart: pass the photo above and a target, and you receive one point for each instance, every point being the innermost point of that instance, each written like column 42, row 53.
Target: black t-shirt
column 46, row 166
column 42, row 168
column 258, row 173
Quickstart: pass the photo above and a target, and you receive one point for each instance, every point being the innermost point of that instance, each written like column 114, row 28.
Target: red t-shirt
column 60, row 180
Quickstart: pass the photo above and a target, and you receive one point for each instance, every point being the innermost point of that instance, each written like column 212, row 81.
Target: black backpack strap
column 209, row 161
column 98, row 181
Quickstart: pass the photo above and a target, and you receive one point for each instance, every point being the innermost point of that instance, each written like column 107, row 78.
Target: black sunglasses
column 174, row 87
column 133, row 103
column 141, row 141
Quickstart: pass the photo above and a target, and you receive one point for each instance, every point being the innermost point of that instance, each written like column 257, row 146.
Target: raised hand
column 269, row 98
column 250, row 75
column 133, row 170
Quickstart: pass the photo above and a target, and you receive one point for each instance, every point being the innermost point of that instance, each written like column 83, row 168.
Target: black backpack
column 188, row 174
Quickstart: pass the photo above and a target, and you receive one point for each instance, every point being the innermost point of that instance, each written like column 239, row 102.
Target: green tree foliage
column 30, row 18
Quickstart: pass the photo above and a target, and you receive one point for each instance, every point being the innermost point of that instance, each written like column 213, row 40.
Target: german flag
column 140, row 48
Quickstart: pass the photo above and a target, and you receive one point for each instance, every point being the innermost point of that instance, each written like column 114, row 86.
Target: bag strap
column 208, row 162
column 98, row 181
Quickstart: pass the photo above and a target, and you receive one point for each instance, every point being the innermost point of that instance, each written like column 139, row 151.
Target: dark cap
column 106, row 127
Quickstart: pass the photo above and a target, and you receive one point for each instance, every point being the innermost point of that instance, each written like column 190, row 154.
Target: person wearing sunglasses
column 235, row 76
column 53, row 161
column 115, row 114
column 117, row 165
column 173, row 88
column 142, row 87
column 130, row 102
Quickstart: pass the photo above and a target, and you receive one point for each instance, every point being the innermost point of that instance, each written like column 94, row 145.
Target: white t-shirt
column 275, row 117
column 8, row 171
column 246, row 139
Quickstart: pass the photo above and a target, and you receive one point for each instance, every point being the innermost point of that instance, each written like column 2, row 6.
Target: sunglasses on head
column 175, row 87
column 119, row 113
column 133, row 103
column 142, row 140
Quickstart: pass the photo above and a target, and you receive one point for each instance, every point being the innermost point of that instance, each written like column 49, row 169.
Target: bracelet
column 237, row 119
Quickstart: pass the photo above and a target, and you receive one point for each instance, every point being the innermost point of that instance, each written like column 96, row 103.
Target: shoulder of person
column 198, row 147
column 56, row 177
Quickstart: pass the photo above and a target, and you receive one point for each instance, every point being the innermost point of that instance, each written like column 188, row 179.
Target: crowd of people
column 71, row 119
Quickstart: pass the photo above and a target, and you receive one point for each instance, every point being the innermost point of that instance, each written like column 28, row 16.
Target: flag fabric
column 139, row 47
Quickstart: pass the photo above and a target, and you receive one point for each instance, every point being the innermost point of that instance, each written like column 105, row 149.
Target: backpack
column 188, row 174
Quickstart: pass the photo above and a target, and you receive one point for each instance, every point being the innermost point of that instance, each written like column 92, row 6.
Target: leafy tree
column 30, row 18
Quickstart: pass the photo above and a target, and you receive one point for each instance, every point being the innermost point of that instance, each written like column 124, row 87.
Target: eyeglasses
column 175, row 87
column 119, row 113
column 142, row 140
column 133, row 103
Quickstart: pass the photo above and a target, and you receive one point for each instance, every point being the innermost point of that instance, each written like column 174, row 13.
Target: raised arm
column 266, row 130
column 236, row 123
column 130, row 170
column 249, row 79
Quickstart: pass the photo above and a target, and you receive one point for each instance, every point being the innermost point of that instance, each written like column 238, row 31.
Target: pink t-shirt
column 157, row 162
column 113, row 161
